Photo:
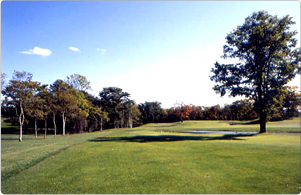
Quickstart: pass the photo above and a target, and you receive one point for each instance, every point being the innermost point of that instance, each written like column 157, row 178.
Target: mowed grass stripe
column 16, row 157
column 32, row 163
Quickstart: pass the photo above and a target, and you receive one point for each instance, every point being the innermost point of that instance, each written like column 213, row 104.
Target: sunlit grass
column 292, row 125
column 146, row 160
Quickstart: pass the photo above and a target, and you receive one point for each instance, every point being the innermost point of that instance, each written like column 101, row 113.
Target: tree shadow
column 10, row 130
column 255, row 122
column 170, row 138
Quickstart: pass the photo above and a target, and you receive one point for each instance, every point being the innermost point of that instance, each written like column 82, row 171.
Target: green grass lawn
column 287, row 126
column 155, row 159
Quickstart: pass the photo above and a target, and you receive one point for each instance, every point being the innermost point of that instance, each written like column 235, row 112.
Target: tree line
column 66, row 106
column 268, row 58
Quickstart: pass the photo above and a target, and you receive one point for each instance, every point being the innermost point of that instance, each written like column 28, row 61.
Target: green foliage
column 291, row 101
column 99, row 116
column 150, row 111
column 73, row 110
column 79, row 82
column 65, row 101
column 268, row 60
column 115, row 102
column 20, row 94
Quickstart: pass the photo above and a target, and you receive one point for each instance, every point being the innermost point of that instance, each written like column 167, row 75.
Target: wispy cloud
column 37, row 51
column 74, row 49
column 121, row 62
column 101, row 51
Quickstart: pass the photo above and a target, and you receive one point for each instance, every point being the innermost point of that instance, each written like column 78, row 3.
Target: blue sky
column 154, row 50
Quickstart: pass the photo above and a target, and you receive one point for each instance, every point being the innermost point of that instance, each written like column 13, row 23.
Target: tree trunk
column 262, row 113
column 122, row 120
column 21, row 121
column 20, row 136
column 64, row 123
column 45, row 128
column 101, row 124
column 54, row 124
column 131, row 123
column 181, row 118
column 80, row 125
column 153, row 115
column 36, row 127
column 96, row 122
column 262, row 119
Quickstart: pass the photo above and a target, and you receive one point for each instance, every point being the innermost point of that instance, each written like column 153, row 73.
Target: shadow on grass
column 169, row 138
column 16, row 138
column 247, row 123
column 10, row 130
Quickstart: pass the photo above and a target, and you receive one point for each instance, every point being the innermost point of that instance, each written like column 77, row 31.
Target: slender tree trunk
column 45, row 128
column 21, row 121
column 85, row 125
column 130, row 122
column 153, row 115
column 101, row 124
column 54, row 124
column 80, row 125
column 64, row 123
column 36, row 127
column 122, row 120
column 96, row 122
column 20, row 136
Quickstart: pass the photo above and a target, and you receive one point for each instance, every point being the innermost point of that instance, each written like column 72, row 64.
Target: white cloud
column 74, row 49
column 121, row 62
column 101, row 51
column 37, row 51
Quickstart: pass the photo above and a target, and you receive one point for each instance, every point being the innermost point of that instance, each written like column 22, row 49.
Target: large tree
column 150, row 111
column 99, row 116
column 291, row 102
column 268, row 59
column 36, row 105
column 130, row 114
column 19, row 93
column 47, row 107
column 65, row 101
column 111, row 100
